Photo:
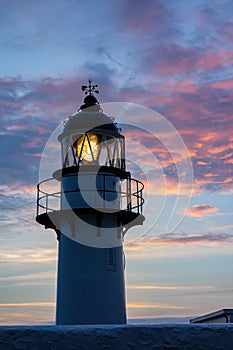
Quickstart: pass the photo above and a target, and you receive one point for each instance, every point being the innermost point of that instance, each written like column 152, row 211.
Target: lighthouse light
column 88, row 147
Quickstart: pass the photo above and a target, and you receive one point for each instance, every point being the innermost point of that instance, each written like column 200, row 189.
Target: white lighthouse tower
column 98, row 203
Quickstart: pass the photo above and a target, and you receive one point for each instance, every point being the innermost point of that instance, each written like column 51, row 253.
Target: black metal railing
column 129, row 195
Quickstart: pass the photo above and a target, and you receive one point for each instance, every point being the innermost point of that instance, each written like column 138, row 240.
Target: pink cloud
column 211, row 175
column 140, row 18
column 201, row 210
column 202, row 114
column 223, row 84
column 182, row 239
column 176, row 59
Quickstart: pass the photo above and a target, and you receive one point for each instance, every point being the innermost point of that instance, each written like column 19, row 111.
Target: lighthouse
column 97, row 203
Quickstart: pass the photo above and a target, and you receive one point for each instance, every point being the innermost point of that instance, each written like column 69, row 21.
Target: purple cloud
column 181, row 238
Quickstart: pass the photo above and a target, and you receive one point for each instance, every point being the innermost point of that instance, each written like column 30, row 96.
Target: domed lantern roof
column 89, row 116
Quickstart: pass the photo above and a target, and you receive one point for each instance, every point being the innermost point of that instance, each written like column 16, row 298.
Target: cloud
column 201, row 210
column 27, row 313
column 26, row 279
column 201, row 110
column 29, row 256
column 138, row 305
column 144, row 17
column 202, row 115
column 46, row 304
column 168, row 287
column 178, row 60
column 182, row 239
column 17, row 204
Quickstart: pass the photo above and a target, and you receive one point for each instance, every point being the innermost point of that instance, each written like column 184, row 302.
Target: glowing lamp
column 88, row 147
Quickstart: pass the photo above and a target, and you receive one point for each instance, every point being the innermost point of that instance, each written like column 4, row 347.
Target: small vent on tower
column 111, row 259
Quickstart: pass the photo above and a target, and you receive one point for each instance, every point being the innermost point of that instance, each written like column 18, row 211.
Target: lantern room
column 90, row 137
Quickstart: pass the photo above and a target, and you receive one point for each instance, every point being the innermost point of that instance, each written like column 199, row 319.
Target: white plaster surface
column 157, row 337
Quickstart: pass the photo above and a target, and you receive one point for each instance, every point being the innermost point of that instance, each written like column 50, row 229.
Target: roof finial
column 90, row 100
column 90, row 88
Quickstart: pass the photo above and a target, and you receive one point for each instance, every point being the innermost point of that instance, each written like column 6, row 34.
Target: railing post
column 46, row 202
column 137, row 194
column 140, row 201
column 129, row 204
column 104, row 189
column 37, row 201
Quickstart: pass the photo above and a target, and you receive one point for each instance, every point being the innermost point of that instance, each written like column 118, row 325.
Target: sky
column 173, row 57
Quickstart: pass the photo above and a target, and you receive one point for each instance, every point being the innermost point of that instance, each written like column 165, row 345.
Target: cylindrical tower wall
column 100, row 190
column 90, row 286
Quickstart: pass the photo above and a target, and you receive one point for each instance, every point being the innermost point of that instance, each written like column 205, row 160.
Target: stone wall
column 158, row 337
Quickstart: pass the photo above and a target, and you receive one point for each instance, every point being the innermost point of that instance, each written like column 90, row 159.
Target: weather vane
column 90, row 88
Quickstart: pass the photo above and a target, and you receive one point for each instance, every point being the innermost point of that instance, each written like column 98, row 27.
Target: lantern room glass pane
column 93, row 148
column 87, row 147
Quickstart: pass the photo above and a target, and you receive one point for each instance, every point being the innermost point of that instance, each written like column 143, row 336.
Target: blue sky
column 173, row 57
